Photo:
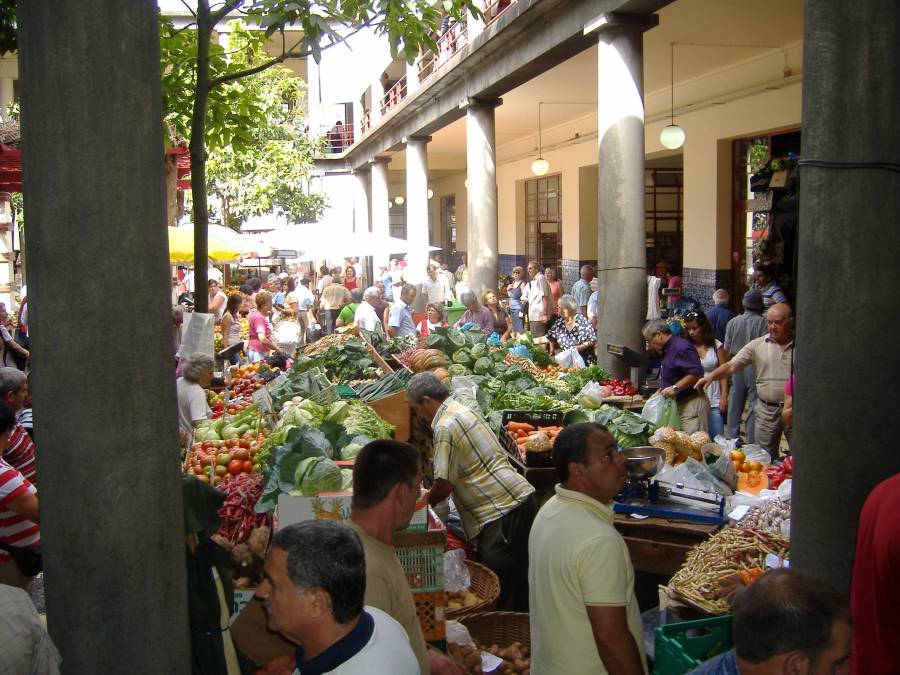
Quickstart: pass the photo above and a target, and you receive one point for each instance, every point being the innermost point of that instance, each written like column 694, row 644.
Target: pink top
column 258, row 323
column 789, row 386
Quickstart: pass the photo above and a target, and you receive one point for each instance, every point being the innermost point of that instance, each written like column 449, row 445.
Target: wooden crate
column 430, row 610
column 395, row 409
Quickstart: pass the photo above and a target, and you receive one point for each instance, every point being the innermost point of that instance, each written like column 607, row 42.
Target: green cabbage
column 298, row 417
column 479, row 350
column 462, row 357
column 484, row 365
column 458, row 369
column 316, row 475
column 346, row 480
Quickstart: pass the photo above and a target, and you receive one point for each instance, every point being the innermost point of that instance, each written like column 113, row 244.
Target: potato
column 520, row 665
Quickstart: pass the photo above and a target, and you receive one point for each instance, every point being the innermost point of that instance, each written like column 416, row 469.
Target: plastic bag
column 694, row 474
column 569, row 358
column 197, row 334
column 756, row 453
column 457, row 634
column 456, row 573
column 591, row 395
column 662, row 412
column 723, row 467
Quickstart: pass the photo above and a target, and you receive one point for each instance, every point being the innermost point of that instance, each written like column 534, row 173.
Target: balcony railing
column 393, row 96
column 494, row 9
column 455, row 37
column 337, row 138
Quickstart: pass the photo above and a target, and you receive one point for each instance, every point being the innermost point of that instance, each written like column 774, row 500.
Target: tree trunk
column 198, row 158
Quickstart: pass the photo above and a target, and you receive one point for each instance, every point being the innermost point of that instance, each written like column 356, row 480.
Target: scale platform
column 671, row 502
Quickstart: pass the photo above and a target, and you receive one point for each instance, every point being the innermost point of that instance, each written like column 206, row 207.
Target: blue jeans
column 743, row 390
column 716, row 423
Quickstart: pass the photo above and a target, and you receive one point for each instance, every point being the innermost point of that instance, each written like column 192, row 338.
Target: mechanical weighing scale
column 672, row 501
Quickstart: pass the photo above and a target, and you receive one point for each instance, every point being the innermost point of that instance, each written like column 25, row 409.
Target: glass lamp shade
column 672, row 137
column 540, row 166
column 399, row 200
column 390, row 204
column 430, row 193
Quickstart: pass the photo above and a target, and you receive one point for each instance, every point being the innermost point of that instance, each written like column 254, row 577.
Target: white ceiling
column 748, row 29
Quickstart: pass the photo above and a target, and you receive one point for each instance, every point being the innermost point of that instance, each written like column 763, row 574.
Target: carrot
column 519, row 426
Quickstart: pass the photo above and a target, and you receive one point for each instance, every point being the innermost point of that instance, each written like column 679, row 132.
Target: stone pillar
column 475, row 25
column 6, row 95
column 361, row 200
column 412, row 77
column 417, row 213
column 108, row 466
column 481, row 172
column 380, row 211
column 849, row 92
column 621, row 235
column 377, row 95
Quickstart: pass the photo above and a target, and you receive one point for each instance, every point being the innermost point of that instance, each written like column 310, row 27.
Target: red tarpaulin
column 11, row 168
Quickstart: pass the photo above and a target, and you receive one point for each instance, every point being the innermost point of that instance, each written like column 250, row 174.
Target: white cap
column 595, row 284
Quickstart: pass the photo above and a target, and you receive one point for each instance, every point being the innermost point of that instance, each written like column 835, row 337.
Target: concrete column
column 417, row 213
column 377, row 95
column 380, row 212
column 412, row 77
column 361, row 201
column 621, row 233
column 475, row 26
column 6, row 94
column 481, row 172
column 843, row 442
column 108, row 467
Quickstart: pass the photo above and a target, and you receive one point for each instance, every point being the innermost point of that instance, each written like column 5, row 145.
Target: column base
column 570, row 271
column 701, row 284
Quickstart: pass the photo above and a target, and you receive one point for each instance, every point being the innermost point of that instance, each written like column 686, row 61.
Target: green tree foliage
column 409, row 25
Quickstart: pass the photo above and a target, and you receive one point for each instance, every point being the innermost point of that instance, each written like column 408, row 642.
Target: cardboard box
column 327, row 506
column 242, row 597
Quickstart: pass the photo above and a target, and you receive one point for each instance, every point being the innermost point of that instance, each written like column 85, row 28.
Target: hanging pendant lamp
column 672, row 136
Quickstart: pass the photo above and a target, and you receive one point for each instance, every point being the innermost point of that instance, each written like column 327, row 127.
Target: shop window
column 397, row 221
column 543, row 218
column 448, row 226
column 663, row 216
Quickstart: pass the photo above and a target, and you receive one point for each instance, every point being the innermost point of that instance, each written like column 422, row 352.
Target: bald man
column 771, row 356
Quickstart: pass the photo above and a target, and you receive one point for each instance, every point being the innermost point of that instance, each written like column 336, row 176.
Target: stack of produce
column 710, row 568
column 629, row 429
column 532, row 439
column 223, row 461
column 516, row 658
column 751, row 474
column 778, row 473
column 680, row 445
column 236, row 426
column 772, row 517
column 342, row 361
column 385, row 386
column 326, row 342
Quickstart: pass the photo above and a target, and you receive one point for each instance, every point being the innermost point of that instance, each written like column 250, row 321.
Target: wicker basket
column 499, row 628
column 485, row 585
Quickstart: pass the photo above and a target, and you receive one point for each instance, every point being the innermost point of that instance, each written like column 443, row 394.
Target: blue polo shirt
column 723, row 664
column 401, row 319
column 719, row 316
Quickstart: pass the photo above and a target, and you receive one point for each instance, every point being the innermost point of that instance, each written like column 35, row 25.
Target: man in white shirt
column 366, row 316
column 313, row 587
column 537, row 294
column 435, row 287
column 580, row 573
column 594, row 302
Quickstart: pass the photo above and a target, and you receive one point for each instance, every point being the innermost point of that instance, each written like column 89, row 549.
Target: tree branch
column 193, row 14
column 226, row 9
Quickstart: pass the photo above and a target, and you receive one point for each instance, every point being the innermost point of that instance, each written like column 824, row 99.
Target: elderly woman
column 260, row 329
column 475, row 313
column 434, row 318
column 348, row 312
column 196, row 373
column 502, row 323
column 572, row 330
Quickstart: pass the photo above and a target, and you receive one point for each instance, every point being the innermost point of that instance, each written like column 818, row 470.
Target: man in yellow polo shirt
column 495, row 503
column 584, row 616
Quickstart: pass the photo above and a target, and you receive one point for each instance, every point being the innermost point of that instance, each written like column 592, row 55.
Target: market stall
column 281, row 446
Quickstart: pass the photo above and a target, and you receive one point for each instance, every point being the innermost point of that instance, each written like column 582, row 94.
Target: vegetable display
column 723, row 555
column 238, row 519
column 342, row 362
column 385, row 386
column 629, row 430
column 774, row 517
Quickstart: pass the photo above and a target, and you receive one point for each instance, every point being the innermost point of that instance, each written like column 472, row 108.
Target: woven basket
column 499, row 628
column 484, row 584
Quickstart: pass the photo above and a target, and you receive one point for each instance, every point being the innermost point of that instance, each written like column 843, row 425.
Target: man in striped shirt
column 18, row 509
column 19, row 452
column 495, row 503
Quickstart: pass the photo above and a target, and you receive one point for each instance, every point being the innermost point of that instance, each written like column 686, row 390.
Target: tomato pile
column 225, row 460
column 620, row 387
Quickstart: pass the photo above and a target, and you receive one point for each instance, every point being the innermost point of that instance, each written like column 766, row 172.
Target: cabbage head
column 317, row 475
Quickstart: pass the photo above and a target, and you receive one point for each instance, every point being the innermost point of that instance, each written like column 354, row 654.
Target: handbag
column 28, row 559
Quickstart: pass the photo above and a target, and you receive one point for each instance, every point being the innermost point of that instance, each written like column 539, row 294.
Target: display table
column 659, row 546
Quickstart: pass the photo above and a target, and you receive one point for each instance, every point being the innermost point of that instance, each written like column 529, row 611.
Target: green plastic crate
column 423, row 565
column 345, row 391
column 681, row 647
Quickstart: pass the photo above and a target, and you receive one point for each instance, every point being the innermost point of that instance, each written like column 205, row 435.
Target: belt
column 772, row 404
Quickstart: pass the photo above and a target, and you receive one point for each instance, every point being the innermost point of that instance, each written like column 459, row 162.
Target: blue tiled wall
column 506, row 261
column 701, row 284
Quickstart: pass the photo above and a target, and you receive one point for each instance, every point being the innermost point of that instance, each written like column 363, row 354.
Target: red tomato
column 244, row 443
column 241, row 454
column 248, row 466
column 235, row 466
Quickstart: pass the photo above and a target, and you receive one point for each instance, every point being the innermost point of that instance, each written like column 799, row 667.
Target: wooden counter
column 659, row 546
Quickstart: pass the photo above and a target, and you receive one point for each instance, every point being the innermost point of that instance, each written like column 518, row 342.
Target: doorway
column 543, row 218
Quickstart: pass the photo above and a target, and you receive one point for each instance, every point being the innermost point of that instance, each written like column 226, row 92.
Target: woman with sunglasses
column 712, row 354
column 514, row 292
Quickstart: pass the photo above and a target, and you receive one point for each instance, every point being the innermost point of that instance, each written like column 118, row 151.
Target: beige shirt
column 771, row 364
column 335, row 296
column 387, row 588
column 577, row 558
